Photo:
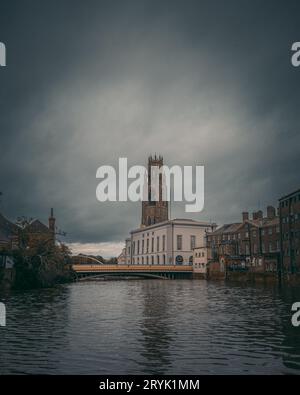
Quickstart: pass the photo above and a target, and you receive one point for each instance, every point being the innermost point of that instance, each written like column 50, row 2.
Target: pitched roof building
column 256, row 237
column 10, row 233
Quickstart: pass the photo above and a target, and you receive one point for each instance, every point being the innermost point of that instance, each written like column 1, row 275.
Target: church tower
column 154, row 212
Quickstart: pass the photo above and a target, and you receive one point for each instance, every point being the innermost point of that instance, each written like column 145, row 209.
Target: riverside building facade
column 289, row 213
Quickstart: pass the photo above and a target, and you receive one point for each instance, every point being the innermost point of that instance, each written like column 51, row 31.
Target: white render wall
column 200, row 260
column 170, row 230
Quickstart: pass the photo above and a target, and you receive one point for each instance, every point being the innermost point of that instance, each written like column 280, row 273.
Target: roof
column 263, row 222
column 227, row 228
column 175, row 221
column 37, row 226
column 232, row 228
column 3, row 237
column 290, row 195
column 7, row 228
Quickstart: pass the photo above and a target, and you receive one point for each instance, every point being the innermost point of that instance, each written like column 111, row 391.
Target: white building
column 160, row 241
column 201, row 258
column 169, row 242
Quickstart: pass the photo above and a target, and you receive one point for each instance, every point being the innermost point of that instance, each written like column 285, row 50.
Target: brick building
column 289, row 214
column 256, row 240
column 13, row 235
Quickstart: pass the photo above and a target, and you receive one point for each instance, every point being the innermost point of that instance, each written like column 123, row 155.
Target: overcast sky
column 199, row 82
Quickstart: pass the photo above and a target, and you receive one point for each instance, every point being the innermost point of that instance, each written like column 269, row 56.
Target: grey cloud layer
column 199, row 82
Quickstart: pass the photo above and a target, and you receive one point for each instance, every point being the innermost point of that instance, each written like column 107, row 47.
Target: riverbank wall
column 255, row 277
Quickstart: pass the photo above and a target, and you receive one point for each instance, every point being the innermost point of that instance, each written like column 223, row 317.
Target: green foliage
column 42, row 265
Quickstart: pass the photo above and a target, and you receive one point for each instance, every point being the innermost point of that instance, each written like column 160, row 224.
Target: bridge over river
column 152, row 271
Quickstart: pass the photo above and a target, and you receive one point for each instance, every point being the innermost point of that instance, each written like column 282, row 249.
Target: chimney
column 259, row 214
column 52, row 222
column 271, row 212
column 245, row 215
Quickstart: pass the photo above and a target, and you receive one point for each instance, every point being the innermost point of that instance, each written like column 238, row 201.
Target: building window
column 262, row 232
column 152, row 259
column 191, row 260
column 239, row 235
column 179, row 242
column 270, row 231
column 164, row 259
column 263, row 248
column 147, row 260
column 164, row 243
column 138, row 247
column 254, row 233
column 270, row 247
column 142, row 260
column 152, row 244
column 157, row 243
column 193, row 242
column 138, row 260
column 143, row 245
column 158, row 259
column 147, row 246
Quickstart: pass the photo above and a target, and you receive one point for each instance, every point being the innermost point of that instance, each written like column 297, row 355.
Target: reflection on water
column 150, row 326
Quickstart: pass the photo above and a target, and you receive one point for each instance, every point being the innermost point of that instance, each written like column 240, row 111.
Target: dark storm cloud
column 200, row 82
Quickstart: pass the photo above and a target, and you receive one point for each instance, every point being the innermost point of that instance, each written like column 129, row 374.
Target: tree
column 42, row 264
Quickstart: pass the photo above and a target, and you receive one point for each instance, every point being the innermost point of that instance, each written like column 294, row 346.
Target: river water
column 150, row 327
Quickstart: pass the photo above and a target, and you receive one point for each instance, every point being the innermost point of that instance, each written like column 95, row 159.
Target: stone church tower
column 154, row 212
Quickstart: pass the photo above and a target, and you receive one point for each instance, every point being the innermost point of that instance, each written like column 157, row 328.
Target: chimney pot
column 245, row 215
